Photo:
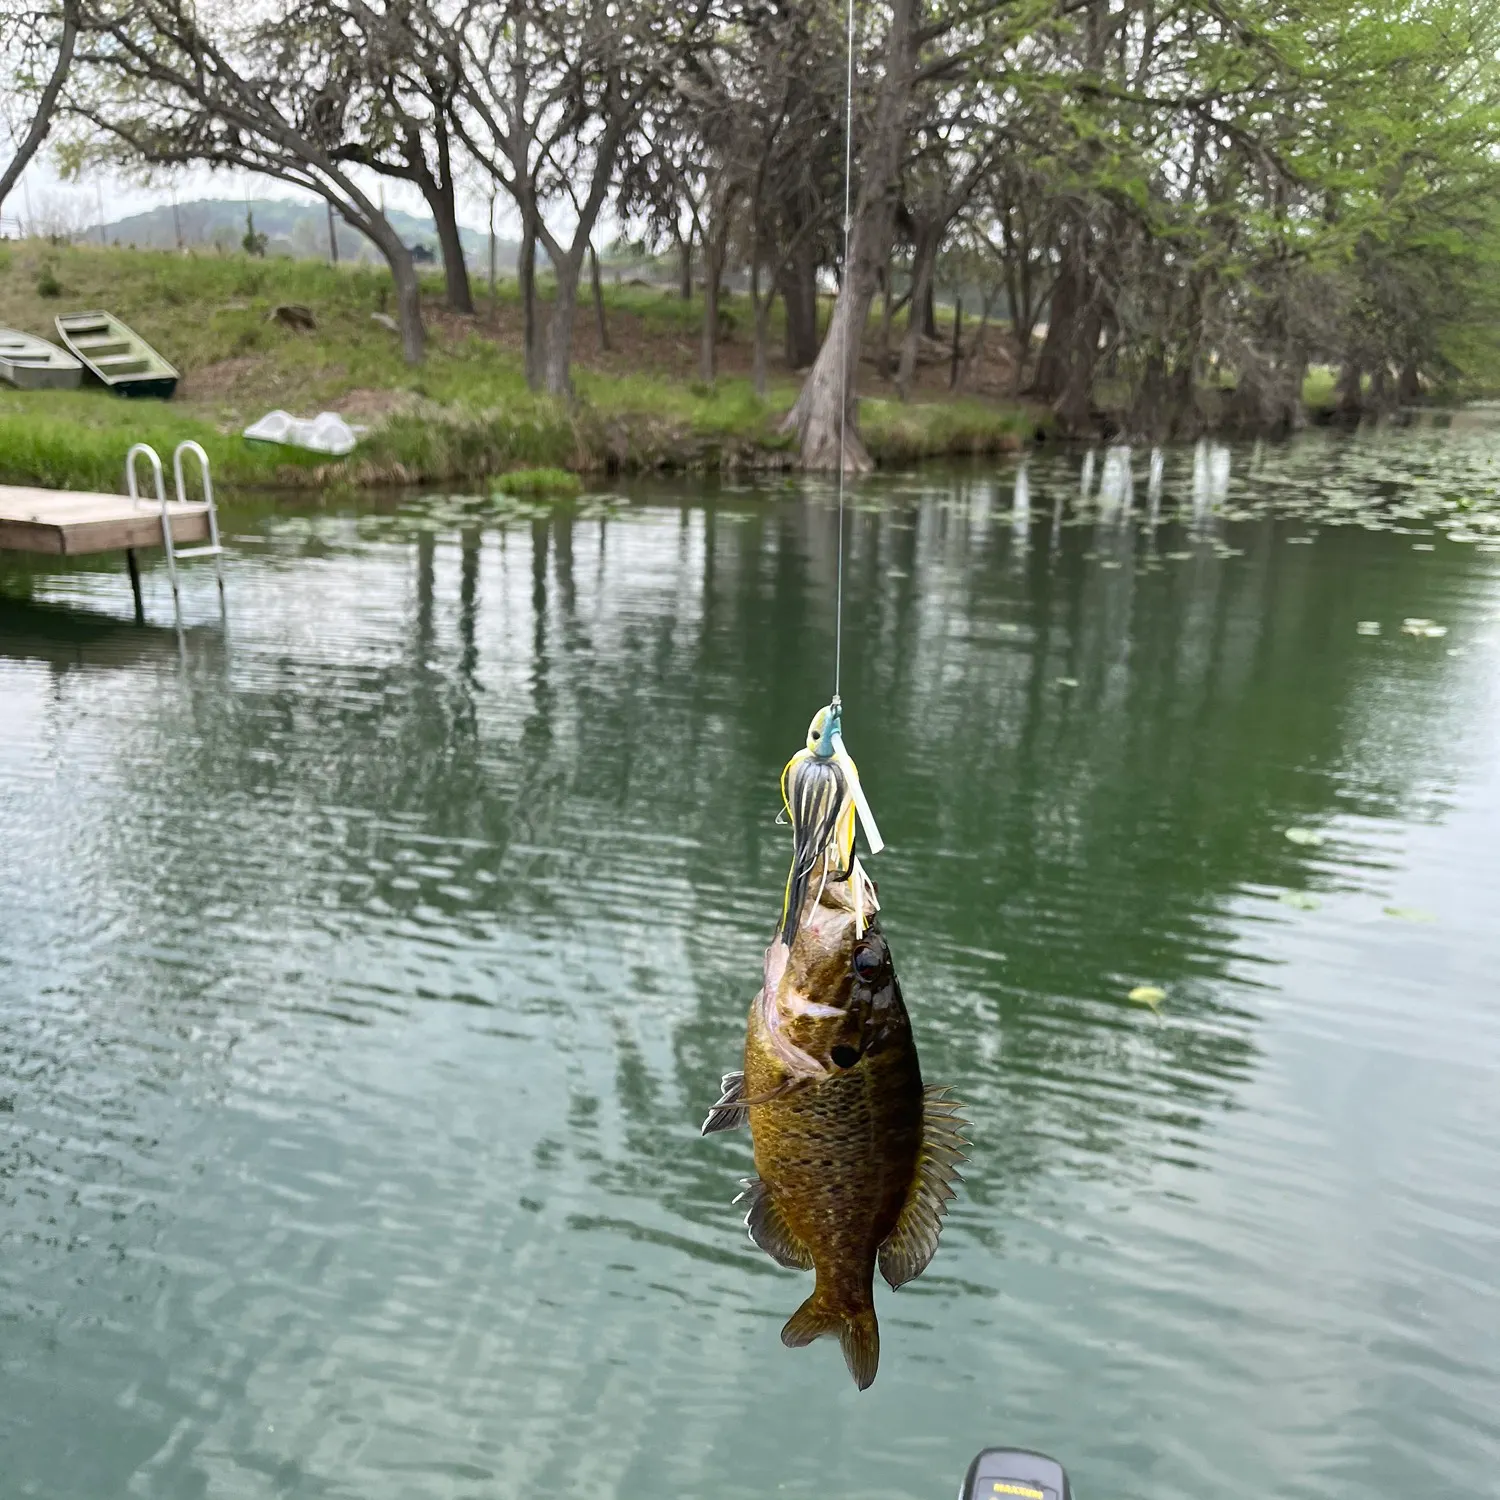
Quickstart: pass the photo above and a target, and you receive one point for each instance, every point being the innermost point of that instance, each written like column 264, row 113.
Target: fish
column 856, row 1159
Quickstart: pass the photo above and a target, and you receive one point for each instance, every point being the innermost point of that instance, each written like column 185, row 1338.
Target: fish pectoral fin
column 914, row 1241
column 769, row 1230
column 730, row 1113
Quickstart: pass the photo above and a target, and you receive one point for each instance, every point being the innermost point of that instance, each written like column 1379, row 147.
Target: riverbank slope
column 463, row 414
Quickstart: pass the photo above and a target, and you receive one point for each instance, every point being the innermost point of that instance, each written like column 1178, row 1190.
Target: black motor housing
column 1015, row 1474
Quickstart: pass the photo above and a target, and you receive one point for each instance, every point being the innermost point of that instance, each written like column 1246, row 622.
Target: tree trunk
column 600, row 325
column 1409, row 384
column 558, row 374
column 1065, row 367
column 408, row 298
column 799, row 296
column 526, row 283
column 929, row 311
column 760, row 308
column 714, row 246
column 439, row 196
column 685, row 266
column 494, row 294
column 924, row 257
column 958, row 341
column 1350, row 402
column 824, row 416
column 883, row 361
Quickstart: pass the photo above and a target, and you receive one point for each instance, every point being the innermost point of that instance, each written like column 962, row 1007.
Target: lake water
column 365, row 974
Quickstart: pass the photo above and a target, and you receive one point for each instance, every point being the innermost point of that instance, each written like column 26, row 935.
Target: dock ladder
column 175, row 554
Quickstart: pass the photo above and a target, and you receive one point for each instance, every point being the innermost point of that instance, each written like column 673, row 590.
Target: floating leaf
column 1368, row 627
column 1302, row 900
column 1148, row 994
column 1408, row 914
column 1309, row 837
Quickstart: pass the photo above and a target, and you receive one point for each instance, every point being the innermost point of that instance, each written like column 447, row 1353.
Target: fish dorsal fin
column 729, row 1113
column 769, row 1230
column 914, row 1240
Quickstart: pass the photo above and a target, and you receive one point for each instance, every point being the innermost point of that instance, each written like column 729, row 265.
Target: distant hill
column 296, row 230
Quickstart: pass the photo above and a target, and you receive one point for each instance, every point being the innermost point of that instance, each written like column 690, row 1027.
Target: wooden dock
column 73, row 523
column 70, row 523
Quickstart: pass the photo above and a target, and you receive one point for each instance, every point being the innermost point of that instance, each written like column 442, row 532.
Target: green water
column 365, row 974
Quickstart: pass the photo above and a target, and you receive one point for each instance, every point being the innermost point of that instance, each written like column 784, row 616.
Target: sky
column 45, row 198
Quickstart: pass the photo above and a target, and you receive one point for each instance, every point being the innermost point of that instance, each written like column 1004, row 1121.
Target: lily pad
column 1301, row 900
column 1148, row 994
column 1308, row 837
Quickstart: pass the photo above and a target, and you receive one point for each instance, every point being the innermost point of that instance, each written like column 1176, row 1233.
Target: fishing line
column 838, row 611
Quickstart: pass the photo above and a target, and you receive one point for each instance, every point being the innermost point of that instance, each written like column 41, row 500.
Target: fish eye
column 844, row 1057
column 868, row 962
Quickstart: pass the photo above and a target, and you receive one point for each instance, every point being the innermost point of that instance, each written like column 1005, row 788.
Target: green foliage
column 253, row 243
column 47, row 284
column 903, row 433
column 539, row 484
column 1318, row 387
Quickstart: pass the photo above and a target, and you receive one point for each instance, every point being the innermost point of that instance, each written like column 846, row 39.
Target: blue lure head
column 825, row 730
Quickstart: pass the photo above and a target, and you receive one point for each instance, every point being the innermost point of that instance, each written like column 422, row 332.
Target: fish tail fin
column 858, row 1334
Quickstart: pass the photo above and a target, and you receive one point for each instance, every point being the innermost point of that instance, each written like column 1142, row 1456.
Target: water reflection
column 364, row 989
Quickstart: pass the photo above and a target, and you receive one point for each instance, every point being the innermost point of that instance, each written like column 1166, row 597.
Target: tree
column 262, row 96
column 397, row 65
column 918, row 50
column 37, row 45
column 551, row 94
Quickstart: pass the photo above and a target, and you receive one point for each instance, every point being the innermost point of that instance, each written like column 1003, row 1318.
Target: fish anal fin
column 729, row 1113
column 856, row 1329
column 911, row 1245
column 770, row 1231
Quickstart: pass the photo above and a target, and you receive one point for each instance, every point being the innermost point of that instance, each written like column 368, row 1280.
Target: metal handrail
column 161, row 483
column 216, row 550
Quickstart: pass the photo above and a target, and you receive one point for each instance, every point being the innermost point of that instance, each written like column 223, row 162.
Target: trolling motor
column 1003, row 1473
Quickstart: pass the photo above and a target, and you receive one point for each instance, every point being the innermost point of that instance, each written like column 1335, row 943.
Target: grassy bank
column 465, row 413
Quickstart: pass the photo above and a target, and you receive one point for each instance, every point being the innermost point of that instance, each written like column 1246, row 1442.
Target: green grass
column 540, row 484
column 465, row 413
column 902, row 434
column 79, row 440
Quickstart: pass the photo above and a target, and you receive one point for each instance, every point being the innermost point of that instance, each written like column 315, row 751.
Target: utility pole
column 176, row 218
column 99, row 199
column 333, row 237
